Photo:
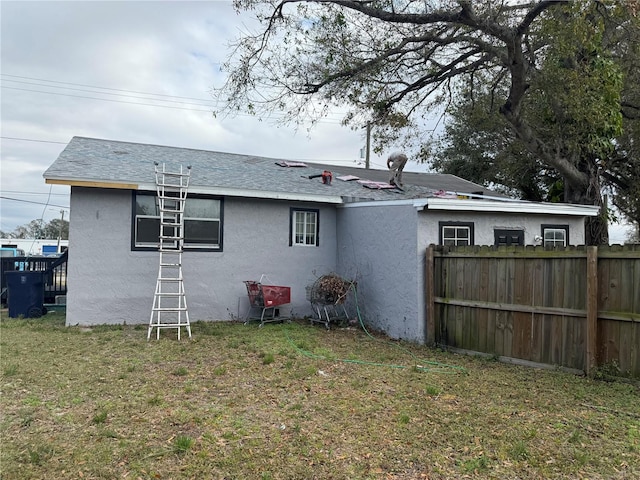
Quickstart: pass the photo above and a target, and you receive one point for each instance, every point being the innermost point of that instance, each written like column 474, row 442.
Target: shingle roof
column 98, row 162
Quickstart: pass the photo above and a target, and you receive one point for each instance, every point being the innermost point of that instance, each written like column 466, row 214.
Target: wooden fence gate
column 577, row 308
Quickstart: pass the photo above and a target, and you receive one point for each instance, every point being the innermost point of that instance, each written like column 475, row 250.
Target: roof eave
column 216, row 191
column 91, row 183
column 453, row 204
column 250, row 193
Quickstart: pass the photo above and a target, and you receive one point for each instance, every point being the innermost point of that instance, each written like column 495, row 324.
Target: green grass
column 295, row 401
column 182, row 444
column 181, row 371
column 100, row 417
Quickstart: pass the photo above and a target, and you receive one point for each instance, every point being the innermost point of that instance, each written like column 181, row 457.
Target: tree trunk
column 596, row 228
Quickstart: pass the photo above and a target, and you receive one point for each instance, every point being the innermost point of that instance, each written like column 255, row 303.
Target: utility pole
column 60, row 231
column 366, row 161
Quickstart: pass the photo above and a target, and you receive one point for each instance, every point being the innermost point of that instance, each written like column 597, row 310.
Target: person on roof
column 395, row 164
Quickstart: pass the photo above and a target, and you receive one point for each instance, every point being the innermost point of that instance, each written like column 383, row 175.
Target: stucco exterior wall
column 108, row 283
column 382, row 247
column 377, row 247
column 485, row 223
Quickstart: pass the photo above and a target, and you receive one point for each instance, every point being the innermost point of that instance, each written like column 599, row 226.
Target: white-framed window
column 555, row 235
column 202, row 222
column 456, row 233
column 304, row 227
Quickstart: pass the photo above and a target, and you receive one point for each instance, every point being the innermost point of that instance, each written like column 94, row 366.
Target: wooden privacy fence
column 577, row 308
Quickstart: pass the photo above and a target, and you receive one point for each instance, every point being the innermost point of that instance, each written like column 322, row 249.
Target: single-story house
column 279, row 222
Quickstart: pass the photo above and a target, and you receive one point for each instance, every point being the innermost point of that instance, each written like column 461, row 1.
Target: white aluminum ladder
column 170, row 302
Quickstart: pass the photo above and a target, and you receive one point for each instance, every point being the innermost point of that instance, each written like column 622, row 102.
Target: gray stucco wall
column 485, row 223
column 381, row 247
column 108, row 283
column 377, row 247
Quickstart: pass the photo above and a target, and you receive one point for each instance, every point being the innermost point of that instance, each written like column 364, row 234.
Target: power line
column 102, row 88
column 34, row 193
column 142, row 104
column 107, row 99
column 37, row 203
column 109, row 93
column 108, row 88
column 33, row 140
column 130, row 96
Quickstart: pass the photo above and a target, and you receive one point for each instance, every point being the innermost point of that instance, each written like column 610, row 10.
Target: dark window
column 555, row 235
column 304, row 227
column 508, row 237
column 456, row 233
column 202, row 222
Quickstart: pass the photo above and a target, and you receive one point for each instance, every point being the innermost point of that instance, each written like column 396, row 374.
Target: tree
column 579, row 120
column 392, row 62
column 39, row 229
column 477, row 144
column 624, row 173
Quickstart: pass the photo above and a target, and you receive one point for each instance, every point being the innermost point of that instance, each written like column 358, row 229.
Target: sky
column 135, row 72
column 128, row 71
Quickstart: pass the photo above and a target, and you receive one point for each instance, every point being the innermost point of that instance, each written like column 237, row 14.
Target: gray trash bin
column 25, row 294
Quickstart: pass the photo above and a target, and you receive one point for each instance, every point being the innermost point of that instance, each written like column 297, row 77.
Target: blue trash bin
column 25, row 294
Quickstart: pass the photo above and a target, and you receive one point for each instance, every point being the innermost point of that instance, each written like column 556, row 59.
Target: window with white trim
column 555, row 235
column 304, row 227
column 456, row 233
column 202, row 222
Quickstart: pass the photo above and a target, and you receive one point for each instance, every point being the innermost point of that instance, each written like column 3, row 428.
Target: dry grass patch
column 294, row 401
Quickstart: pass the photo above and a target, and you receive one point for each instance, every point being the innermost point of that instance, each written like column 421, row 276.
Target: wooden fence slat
column 483, row 315
column 578, row 307
column 492, row 322
column 429, row 281
column 592, row 310
column 537, row 319
column 459, row 292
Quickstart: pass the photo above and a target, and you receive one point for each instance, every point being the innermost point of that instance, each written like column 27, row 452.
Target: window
column 304, row 227
column 202, row 222
column 555, row 235
column 508, row 237
column 456, row 233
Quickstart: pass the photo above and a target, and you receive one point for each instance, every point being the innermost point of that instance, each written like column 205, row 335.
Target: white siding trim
column 511, row 207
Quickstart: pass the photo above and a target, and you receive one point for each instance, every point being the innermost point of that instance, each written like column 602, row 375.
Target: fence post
column 592, row 310
column 429, row 285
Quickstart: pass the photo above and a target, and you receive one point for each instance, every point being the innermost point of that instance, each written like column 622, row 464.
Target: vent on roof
column 291, row 164
column 120, row 152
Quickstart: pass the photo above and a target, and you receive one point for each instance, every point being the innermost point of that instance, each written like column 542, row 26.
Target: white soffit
column 453, row 204
column 246, row 193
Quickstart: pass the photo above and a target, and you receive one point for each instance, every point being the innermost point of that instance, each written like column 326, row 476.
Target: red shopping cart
column 266, row 300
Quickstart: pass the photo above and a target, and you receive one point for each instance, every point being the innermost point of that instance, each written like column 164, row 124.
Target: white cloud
column 158, row 47
column 167, row 48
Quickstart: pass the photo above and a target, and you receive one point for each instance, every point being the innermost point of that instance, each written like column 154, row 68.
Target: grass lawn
column 294, row 401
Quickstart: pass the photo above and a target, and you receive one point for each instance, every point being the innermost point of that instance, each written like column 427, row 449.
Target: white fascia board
column 246, row 193
column 418, row 203
column 454, row 204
